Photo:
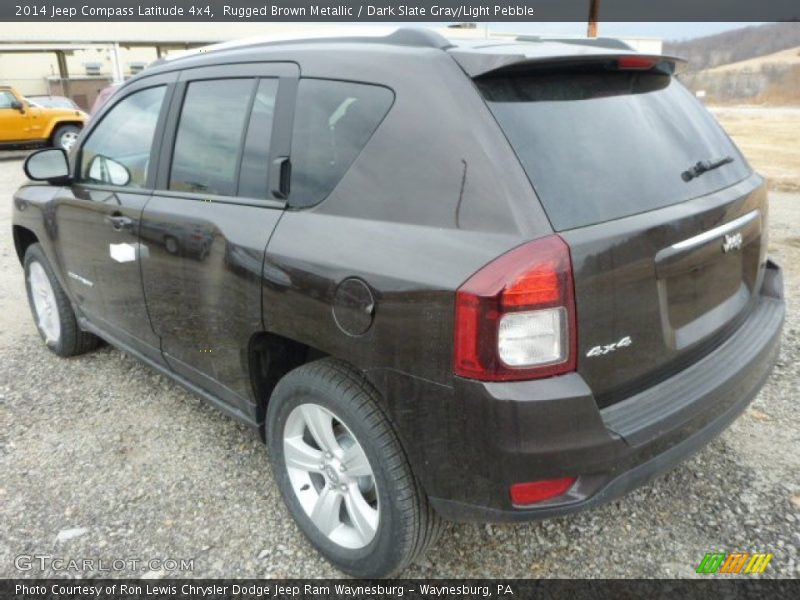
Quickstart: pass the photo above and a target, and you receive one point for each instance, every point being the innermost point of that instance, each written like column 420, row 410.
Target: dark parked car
column 492, row 281
column 103, row 96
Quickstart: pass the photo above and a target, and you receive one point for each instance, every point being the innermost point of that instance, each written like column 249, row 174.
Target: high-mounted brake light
column 515, row 318
column 635, row 62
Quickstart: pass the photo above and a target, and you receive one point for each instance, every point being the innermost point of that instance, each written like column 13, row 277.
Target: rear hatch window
column 599, row 145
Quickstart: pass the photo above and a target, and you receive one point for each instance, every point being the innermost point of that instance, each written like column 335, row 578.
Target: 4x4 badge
column 731, row 242
column 606, row 348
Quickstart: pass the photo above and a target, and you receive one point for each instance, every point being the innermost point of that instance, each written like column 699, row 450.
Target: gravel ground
column 101, row 457
column 768, row 137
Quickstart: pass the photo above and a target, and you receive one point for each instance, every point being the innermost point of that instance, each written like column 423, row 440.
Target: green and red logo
column 735, row 563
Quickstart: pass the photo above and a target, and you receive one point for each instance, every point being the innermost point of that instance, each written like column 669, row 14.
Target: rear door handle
column 280, row 175
column 119, row 222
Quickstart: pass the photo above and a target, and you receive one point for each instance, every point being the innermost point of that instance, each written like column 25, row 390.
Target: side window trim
column 243, row 137
column 168, row 139
column 282, row 124
column 287, row 75
column 241, row 70
column 165, row 79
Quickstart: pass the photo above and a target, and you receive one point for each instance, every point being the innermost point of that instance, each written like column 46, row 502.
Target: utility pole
column 116, row 66
column 594, row 9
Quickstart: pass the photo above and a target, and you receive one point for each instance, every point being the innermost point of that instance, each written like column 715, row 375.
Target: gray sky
column 666, row 31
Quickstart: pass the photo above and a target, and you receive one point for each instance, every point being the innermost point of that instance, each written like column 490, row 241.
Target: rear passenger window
column 209, row 137
column 333, row 122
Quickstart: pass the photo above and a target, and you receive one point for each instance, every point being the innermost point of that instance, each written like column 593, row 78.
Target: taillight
column 515, row 318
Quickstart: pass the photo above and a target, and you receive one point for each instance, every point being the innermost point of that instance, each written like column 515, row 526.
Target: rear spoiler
column 478, row 64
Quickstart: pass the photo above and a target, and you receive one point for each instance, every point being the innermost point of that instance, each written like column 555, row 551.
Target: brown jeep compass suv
column 485, row 281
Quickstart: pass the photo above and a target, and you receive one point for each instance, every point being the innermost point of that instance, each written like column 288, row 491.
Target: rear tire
column 378, row 489
column 52, row 311
column 66, row 136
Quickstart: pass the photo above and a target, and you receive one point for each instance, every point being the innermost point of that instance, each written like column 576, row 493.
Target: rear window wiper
column 704, row 166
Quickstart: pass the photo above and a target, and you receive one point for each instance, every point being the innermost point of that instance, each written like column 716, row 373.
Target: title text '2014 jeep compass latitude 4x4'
column 492, row 281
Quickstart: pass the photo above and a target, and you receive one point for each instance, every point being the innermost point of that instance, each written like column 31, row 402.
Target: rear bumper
column 526, row 431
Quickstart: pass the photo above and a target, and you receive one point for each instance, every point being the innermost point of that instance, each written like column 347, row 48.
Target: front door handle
column 119, row 222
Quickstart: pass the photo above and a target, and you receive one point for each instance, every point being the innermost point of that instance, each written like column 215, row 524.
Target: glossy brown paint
column 202, row 276
column 91, row 221
column 620, row 291
column 203, row 310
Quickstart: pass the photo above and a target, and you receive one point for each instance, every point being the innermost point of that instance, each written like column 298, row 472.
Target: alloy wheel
column 331, row 476
column 44, row 303
column 68, row 140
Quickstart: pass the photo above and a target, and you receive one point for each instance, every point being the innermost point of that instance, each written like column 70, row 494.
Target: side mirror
column 17, row 105
column 49, row 165
column 106, row 170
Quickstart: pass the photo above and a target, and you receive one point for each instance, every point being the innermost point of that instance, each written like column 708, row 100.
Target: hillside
column 736, row 45
column 784, row 58
column 753, row 65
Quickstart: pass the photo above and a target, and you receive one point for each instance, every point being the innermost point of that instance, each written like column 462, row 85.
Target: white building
column 80, row 59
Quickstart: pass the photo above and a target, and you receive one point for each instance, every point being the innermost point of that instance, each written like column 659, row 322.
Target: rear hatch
column 664, row 218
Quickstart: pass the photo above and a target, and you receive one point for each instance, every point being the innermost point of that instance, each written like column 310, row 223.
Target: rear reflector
column 532, row 492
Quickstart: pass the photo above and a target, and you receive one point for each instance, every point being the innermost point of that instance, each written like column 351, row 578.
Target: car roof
column 476, row 56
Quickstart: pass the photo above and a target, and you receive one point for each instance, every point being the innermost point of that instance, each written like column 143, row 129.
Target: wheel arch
column 23, row 238
column 270, row 357
column 54, row 125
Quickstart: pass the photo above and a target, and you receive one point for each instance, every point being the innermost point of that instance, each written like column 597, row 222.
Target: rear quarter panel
column 433, row 196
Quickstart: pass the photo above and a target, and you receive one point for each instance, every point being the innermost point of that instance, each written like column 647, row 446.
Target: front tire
column 343, row 474
column 66, row 136
column 52, row 311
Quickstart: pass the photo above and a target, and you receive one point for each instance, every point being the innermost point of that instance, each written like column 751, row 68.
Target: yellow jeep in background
column 25, row 124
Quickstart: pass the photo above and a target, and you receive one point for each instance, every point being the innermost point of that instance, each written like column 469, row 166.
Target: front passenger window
column 122, row 141
column 6, row 99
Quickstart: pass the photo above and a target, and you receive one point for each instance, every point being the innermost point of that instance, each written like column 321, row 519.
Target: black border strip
column 387, row 11
column 745, row 586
